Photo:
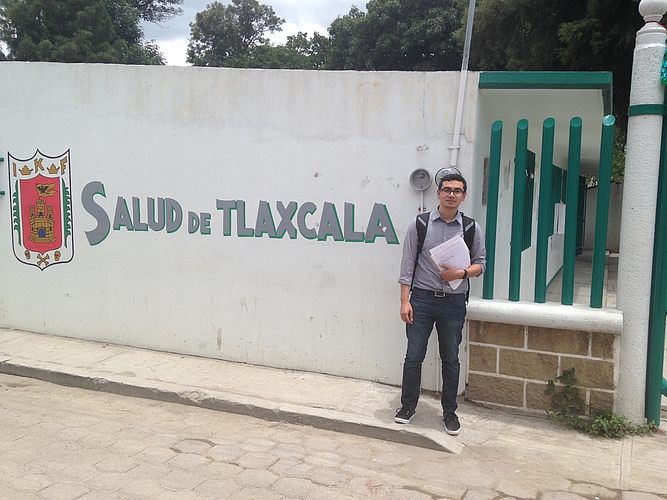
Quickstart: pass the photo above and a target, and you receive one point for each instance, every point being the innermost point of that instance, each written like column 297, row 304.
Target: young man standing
column 427, row 299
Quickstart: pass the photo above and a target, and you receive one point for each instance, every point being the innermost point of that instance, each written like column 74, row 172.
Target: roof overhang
column 536, row 96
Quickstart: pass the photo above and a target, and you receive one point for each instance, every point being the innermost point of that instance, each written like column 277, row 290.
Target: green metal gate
column 656, row 385
column 549, row 193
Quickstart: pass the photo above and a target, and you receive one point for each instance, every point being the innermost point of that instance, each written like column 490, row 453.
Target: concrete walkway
column 339, row 404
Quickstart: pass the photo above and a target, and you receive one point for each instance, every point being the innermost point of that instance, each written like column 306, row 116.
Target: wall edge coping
column 547, row 315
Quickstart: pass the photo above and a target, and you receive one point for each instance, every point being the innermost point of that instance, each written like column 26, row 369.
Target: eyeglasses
column 456, row 192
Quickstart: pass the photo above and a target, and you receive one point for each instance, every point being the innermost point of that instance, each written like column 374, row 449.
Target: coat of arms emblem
column 41, row 209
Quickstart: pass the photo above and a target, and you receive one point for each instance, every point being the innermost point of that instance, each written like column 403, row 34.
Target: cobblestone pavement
column 65, row 443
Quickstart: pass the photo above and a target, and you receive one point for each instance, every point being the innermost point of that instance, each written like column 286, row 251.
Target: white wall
column 613, row 222
column 198, row 135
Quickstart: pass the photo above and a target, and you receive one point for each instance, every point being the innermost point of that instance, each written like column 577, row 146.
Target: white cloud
column 175, row 51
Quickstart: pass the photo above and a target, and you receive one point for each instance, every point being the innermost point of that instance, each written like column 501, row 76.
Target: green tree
column 569, row 35
column 519, row 35
column 156, row 11
column 409, row 35
column 299, row 52
column 227, row 35
column 106, row 31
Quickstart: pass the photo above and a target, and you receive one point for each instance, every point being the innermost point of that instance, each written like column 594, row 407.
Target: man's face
column 451, row 194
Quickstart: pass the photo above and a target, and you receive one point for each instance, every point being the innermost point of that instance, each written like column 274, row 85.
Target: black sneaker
column 404, row 415
column 452, row 425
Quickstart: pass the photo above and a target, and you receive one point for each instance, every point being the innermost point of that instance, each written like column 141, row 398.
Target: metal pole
column 516, row 243
column 571, row 211
column 545, row 222
column 602, row 211
column 492, row 208
column 462, row 87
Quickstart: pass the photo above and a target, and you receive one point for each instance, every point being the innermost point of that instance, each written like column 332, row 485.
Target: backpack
column 422, row 225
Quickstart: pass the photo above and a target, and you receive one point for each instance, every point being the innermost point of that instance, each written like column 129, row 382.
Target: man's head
column 453, row 177
column 451, row 190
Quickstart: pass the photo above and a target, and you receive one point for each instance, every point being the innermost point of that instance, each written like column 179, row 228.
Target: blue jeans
column 448, row 313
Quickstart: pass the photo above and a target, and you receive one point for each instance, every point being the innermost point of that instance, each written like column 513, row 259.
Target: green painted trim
column 658, row 300
column 602, row 211
column 647, row 109
column 664, row 387
column 492, row 207
column 554, row 80
column 516, row 242
column 571, row 212
column 545, row 221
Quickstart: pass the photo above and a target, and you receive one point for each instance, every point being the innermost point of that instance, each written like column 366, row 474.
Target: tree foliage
column 106, row 31
column 157, row 11
column 299, row 52
column 569, row 35
column 228, row 35
column 410, row 35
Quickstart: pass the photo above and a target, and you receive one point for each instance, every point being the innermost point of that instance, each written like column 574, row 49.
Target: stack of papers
column 453, row 252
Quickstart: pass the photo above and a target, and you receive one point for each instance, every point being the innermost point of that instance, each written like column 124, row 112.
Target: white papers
column 454, row 253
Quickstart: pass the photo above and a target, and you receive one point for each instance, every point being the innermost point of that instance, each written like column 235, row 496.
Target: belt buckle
column 440, row 294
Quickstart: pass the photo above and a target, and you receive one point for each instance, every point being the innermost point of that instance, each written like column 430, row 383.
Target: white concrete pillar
column 639, row 206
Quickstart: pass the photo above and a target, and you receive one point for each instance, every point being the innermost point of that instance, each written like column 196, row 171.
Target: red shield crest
column 41, row 209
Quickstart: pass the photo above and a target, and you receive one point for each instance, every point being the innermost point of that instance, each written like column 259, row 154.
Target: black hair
column 453, row 177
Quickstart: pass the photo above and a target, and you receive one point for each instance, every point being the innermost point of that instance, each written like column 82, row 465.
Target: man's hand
column 406, row 311
column 449, row 273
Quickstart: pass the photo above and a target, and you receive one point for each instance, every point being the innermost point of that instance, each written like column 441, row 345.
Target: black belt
column 436, row 294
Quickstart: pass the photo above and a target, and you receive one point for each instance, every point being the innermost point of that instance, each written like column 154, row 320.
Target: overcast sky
column 299, row 15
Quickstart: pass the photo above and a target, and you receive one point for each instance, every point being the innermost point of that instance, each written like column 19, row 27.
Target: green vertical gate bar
column 516, row 244
column 658, row 304
column 492, row 207
column 571, row 205
column 602, row 210
column 544, row 220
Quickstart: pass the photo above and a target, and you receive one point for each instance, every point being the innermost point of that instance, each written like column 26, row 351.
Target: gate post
column 642, row 165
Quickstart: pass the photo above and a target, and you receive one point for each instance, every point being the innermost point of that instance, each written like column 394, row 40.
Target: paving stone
column 638, row 495
column 561, row 495
column 325, row 459
column 97, row 495
column 256, row 460
column 218, row 488
column 143, row 488
column 256, row 478
column 223, row 453
column 30, row 482
column 178, row 495
column 194, row 446
column 76, row 473
column 293, row 487
column 480, row 495
column 220, row 470
column 126, row 447
column 328, row 476
column 257, row 494
column 257, row 445
column 115, row 463
column 594, row 491
column 63, row 491
column 180, row 480
column 155, row 455
column 322, row 443
column 107, row 481
column 187, row 461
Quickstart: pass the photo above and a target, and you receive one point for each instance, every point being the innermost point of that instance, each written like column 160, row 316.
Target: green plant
column 597, row 421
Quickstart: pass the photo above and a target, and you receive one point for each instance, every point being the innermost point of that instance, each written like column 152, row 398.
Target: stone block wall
column 510, row 365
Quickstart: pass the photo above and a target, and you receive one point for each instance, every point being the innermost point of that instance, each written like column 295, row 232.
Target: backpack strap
column 469, row 238
column 422, row 225
column 468, row 231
